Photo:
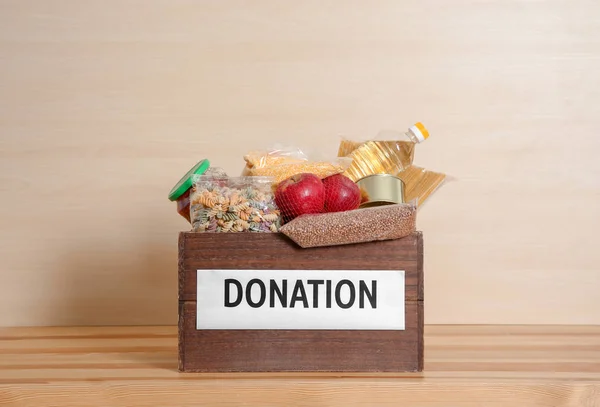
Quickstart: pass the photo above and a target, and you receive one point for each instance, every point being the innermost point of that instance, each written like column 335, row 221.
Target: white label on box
column 300, row 299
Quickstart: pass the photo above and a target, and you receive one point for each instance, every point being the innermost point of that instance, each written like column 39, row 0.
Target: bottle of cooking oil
column 416, row 133
column 389, row 153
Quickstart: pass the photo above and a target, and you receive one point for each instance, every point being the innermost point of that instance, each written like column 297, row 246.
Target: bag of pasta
column 282, row 163
column 419, row 183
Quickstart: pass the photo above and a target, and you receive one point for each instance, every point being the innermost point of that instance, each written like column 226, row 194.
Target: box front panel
column 250, row 348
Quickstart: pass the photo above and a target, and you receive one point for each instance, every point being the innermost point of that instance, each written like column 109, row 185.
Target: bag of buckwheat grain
column 356, row 226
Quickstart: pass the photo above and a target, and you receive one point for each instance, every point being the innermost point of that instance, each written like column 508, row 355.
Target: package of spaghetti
column 420, row 183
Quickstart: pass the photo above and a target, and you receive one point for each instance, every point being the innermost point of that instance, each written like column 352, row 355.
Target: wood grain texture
column 301, row 350
column 298, row 350
column 542, row 366
column 273, row 251
column 105, row 104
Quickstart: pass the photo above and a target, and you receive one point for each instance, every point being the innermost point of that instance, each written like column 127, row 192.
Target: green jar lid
column 185, row 182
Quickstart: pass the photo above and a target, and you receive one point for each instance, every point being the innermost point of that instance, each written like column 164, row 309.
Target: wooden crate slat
column 302, row 350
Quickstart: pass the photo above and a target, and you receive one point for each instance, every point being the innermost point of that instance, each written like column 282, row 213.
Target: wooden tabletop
column 464, row 365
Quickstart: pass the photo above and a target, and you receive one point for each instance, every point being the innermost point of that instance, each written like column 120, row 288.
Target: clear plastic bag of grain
column 233, row 204
column 282, row 163
column 358, row 226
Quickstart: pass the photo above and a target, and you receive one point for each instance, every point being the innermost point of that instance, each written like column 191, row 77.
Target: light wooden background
column 104, row 104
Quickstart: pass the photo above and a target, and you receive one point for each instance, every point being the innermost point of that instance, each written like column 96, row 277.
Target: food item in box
column 357, row 226
column 387, row 154
column 281, row 172
column 181, row 191
column 417, row 133
column 420, row 183
column 348, row 146
column 306, row 193
column 234, row 204
column 282, row 164
column 216, row 172
column 300, row 194
column 341, row 194
column 380, row 157
column 278, row 156
column 381, row 189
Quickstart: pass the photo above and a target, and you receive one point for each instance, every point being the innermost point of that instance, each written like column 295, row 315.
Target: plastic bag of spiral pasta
column 233, row 204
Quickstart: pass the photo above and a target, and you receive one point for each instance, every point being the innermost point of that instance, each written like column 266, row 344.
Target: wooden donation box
column 256, row 302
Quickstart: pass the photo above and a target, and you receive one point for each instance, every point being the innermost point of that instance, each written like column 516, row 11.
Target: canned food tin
column 381, row 189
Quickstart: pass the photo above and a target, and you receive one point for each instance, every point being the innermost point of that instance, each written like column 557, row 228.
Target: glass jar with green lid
column 181, row 191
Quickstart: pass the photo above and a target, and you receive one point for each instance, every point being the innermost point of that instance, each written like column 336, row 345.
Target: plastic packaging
column 417, row 133
column 357, row 226
column 348, row 146
column 284, row 163
column 277, row 156
column 420, row 183
column 380, row 157
column 233, row 204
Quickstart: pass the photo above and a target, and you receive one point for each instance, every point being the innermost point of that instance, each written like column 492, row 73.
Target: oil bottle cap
column 419, row 131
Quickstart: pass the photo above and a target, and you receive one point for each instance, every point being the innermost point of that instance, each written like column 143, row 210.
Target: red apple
column 341, row 194
column 300, row 194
